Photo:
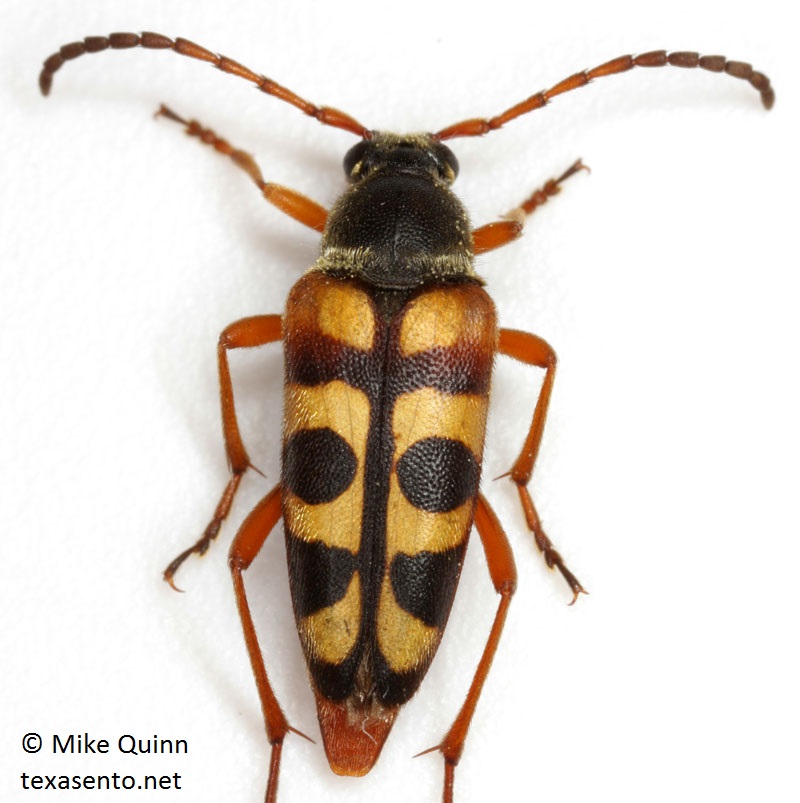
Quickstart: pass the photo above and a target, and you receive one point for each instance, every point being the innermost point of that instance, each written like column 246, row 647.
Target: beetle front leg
column 247, row 544
column 501, row 232
column 500, row 560
column 246, row 333
column 291, row 202
column 532, row 350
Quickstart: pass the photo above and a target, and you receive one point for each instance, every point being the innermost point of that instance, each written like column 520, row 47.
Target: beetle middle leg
column 247, row 544
column 246, row 333
column 532, row 350
column 502, row 570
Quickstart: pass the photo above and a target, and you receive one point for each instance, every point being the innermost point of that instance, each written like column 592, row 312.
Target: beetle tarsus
column 164, row 111
column 242, row 159
column 574, row 584
column 550, row 554
column 540, row 196
column 554, row 561
column 572, row 169
column 169, row 572
column 511, row 225
column 199, row 548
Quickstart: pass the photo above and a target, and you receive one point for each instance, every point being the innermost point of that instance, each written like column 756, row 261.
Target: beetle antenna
column 156, row 41
column 656, row 58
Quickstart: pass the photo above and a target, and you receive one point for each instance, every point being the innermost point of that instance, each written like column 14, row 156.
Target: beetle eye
column 354, row 156
column 447, row 160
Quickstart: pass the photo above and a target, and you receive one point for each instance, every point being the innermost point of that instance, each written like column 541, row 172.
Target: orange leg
column 532, row 350
column 503, row 572
column 297, row 206
column 246, row 333
column 501, row 232
column 247, row 544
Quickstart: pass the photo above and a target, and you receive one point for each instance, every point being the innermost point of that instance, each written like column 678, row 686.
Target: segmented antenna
column 473, row 127
column 656, row 58
column 156, row 41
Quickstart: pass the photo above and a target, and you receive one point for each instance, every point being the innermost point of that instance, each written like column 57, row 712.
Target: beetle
column 389, row 342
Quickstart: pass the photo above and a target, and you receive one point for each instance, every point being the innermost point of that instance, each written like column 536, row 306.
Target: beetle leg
column 246, row 333
column 292, row 203
column 501, row 232
column 532, row 350
column 247, row 544
column 503, row 572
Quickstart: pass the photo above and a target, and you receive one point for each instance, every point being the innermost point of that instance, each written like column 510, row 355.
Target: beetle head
column 393, row 153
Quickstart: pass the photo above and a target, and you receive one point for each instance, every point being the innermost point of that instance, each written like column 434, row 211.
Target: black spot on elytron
column 396, row 688
column 319, row 574
column 318, row 465
column 438, row 474
column 424, row 584
column 455, row 369
column 336, row 682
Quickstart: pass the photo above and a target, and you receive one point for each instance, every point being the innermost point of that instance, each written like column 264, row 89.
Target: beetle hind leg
column 247, row 544
column 503, row 572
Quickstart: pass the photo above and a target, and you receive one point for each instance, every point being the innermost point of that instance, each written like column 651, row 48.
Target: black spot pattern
column 318, row 465
column 438, row 474
column 424, row 584
column 435, row 474
column 326, row 572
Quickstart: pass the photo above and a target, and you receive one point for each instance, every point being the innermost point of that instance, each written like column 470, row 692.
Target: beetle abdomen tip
column 353, row 736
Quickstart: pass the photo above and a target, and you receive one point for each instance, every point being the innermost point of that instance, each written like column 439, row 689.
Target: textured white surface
column 666, row 280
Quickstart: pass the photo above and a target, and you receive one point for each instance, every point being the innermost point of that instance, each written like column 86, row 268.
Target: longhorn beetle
column 389, row 342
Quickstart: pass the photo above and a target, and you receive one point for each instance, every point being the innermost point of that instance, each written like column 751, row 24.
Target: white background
column 666, row 280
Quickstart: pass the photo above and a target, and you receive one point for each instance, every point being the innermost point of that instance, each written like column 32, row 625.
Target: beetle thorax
column 399, row 225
